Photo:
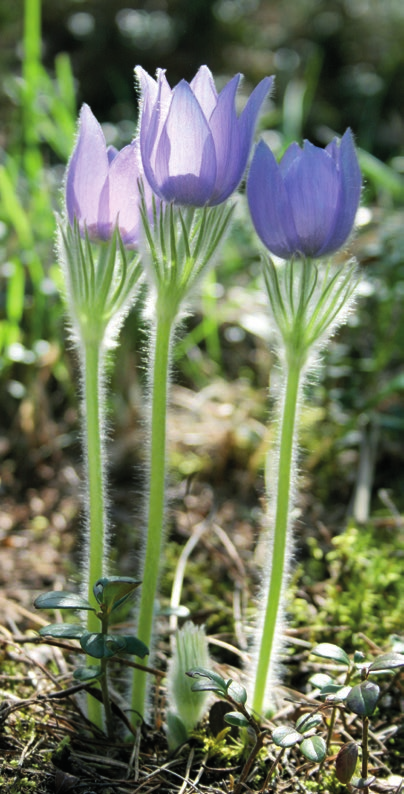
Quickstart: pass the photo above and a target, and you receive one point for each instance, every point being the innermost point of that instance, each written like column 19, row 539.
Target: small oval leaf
column 69, row 631
column 88, row 673
column 206, row 686
column 203, row 672
column 314, row 748
column 286, row 737
column 61, row 599
column 237, row 692
column 135, row 646
column 102, row 646
column 308, row 721
column 320, row 679
column 362, row 698
column 346, row 761
column 327, row 650
column 335, row 692
column 359, row 782
column 113, row 591
column 387, row 661
column 236, row 719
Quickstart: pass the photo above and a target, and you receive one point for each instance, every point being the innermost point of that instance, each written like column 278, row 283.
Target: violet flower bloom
column 102, row 184
column 307, row 203
column 194, row 146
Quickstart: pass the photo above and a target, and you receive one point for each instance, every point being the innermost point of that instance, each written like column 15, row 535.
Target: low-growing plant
column 313, row 747
column 358, row 698
column 346, row 695
column 110, row 594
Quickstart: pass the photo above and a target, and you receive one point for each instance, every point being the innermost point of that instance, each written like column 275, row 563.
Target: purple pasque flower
column 307, row 203
column 194, row 147
column 102, row 184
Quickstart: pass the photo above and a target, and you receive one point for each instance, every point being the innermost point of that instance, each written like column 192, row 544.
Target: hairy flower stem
column 96, row 512
column 278, row 559
column 156, row 497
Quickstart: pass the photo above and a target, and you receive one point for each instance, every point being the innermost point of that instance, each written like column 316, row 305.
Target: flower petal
column 226, row 135
column 204, row 90
column 350, row 180
column 185, row 167
column 269, row 204
column 249, row 117
column 155, row 108
column 312, row 184
column 87, row 171
column 124, row 195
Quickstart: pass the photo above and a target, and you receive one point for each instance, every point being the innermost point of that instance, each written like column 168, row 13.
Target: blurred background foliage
column 337, row 63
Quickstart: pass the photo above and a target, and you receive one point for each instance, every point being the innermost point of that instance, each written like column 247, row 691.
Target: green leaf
column 87, row 673
column 61, row 599
column 207, row 686
column 362, row 698
column 237, row 692
column 177, row 733
column 359, row 782
column 135, row 646
column 345, row 762
column 102, row 646
column 236, row 719
column 327, row 650
column 359, row 657
column 387, row 661
column 69, row 631
column 113, row 591
column 308, row 721
column 397, row 643
column 314, row 748
column 335, row 692
column 286, row 737
column 320, row 680
column 202, row 672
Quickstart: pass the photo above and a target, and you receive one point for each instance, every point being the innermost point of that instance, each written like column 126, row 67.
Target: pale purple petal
column 204, row 89
column 226, row 135
column 124, row 195
column 292, row 153
column 185, row 167
column 112, row 152
column 312, row 184
column 350, row 184
column 148, row 93
column 269, row 204
column 154, row 115
column 87, row 171
column 249, row 117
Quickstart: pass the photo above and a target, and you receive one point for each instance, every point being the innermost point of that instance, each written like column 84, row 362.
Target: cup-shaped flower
column 306, row 204
column 102, row 184
column 194, row 146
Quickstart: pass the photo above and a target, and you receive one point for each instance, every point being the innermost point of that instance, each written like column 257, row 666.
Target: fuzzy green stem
column 95, row 487
column 286, row 449
column 154, row 541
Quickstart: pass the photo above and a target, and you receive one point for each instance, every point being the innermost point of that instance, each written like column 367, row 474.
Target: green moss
column 362, row 591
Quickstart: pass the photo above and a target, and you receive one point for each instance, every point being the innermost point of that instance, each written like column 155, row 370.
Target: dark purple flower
column 307, row 203
column 102, row 184
column 194, row 146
